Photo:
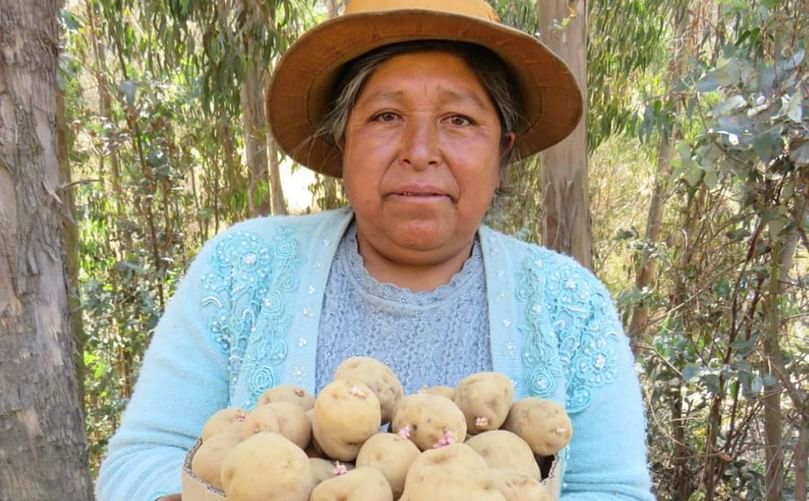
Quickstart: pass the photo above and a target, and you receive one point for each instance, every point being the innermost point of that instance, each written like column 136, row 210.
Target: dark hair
column 490, row 70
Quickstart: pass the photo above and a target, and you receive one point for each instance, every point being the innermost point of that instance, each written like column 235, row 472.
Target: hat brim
column 305, row 76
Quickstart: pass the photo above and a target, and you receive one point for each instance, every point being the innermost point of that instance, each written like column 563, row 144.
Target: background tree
column 157, row 144
column 43, row 444
column 566, row 216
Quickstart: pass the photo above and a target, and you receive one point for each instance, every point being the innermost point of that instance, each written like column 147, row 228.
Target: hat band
column 472, row 8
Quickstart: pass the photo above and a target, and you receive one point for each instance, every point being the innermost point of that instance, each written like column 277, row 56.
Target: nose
column 419, row 143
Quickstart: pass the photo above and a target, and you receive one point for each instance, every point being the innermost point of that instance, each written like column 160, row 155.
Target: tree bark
column 72, row 256
column 255, row 137
column 783, row 255
column 683, row 477
column 277, row 203
column 772, row 356
column 800, row 460
column 566, row 215
column 43, row 449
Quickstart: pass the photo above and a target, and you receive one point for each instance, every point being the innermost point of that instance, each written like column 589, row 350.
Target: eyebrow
column 445, row 94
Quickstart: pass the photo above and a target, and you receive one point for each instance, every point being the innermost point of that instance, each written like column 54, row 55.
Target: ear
column 508, row 143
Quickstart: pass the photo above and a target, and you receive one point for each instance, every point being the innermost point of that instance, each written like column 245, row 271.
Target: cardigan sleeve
column 606, row 458
column 183, row 380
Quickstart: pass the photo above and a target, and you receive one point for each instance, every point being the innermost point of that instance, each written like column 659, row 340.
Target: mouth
column 419, row 196
column 419, row 193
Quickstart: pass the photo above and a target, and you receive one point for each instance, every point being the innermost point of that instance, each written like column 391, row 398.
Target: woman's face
column 421, row 157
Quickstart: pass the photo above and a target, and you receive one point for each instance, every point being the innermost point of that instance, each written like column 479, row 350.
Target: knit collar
column 349, row 257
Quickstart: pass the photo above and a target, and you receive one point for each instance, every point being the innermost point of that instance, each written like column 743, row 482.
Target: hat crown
column 473, row 8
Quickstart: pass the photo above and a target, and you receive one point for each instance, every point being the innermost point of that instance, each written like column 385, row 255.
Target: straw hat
column 303, row 81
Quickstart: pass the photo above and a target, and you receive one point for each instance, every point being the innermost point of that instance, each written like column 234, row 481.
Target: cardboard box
column 195, row 489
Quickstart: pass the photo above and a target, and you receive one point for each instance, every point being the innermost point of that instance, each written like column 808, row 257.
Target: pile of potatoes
column 473, row 442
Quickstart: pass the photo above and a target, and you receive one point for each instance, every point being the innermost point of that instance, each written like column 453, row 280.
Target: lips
column 419, row 192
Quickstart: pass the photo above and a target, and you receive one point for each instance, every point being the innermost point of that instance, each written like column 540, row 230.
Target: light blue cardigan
column 246, row 316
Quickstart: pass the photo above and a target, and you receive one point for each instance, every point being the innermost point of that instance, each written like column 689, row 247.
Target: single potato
column 267, row 467
column 452, row 473
column 347, row 413
column 292, row 422
column 504, row 449
column 515, row 485
column 390, row 454
column 288, row 393
column 324, row 469
column 377, row 376
column 456, row 456
column 444, row 391
column 221, row 419
column 485, row 399
column 360, row 484
column 209, row 456
column 260, row 419
column 543, row 424
column 429, row 421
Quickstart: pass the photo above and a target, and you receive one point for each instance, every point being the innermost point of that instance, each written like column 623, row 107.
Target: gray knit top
column 447, row 327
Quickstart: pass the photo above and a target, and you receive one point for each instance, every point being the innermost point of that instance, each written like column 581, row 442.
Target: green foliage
column 155, row 125
column 738, row 209
column 217, row 42
column 625, row 39
column 158, row 172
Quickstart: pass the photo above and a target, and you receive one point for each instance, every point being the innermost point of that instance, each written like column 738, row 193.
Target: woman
column 419, row 106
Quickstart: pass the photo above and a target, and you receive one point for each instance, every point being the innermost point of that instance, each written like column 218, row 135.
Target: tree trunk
column 783, row 254
column 43, row 449
column 647, row 266
column 800, row 460
column 72, row 257
column 772, row 389
column 277, row 203
column 683, row 479
column 255, row 136
column 566, row 221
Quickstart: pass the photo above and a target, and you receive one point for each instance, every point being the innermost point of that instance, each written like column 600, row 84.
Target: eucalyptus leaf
column 801, row 155
column 69, row 20
column 743, row 366
column 711, row 179
column 794, row 108
column 708, row 83
column 128, row 89
column 756, row 385
column 684, row 149
column 776, row 225
column 764, row 146
column 692, row 173
column 731, row 104
column 691, row 371
column 712, row 383
column 736, row 124
column 744, row 347
column 790, row 63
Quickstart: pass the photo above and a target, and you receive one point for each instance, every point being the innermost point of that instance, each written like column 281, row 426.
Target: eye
column 385, row 116
column 459, row 120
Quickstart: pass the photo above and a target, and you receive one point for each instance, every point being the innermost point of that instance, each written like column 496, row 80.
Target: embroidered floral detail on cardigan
column 247, row 305
column 584, row 330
